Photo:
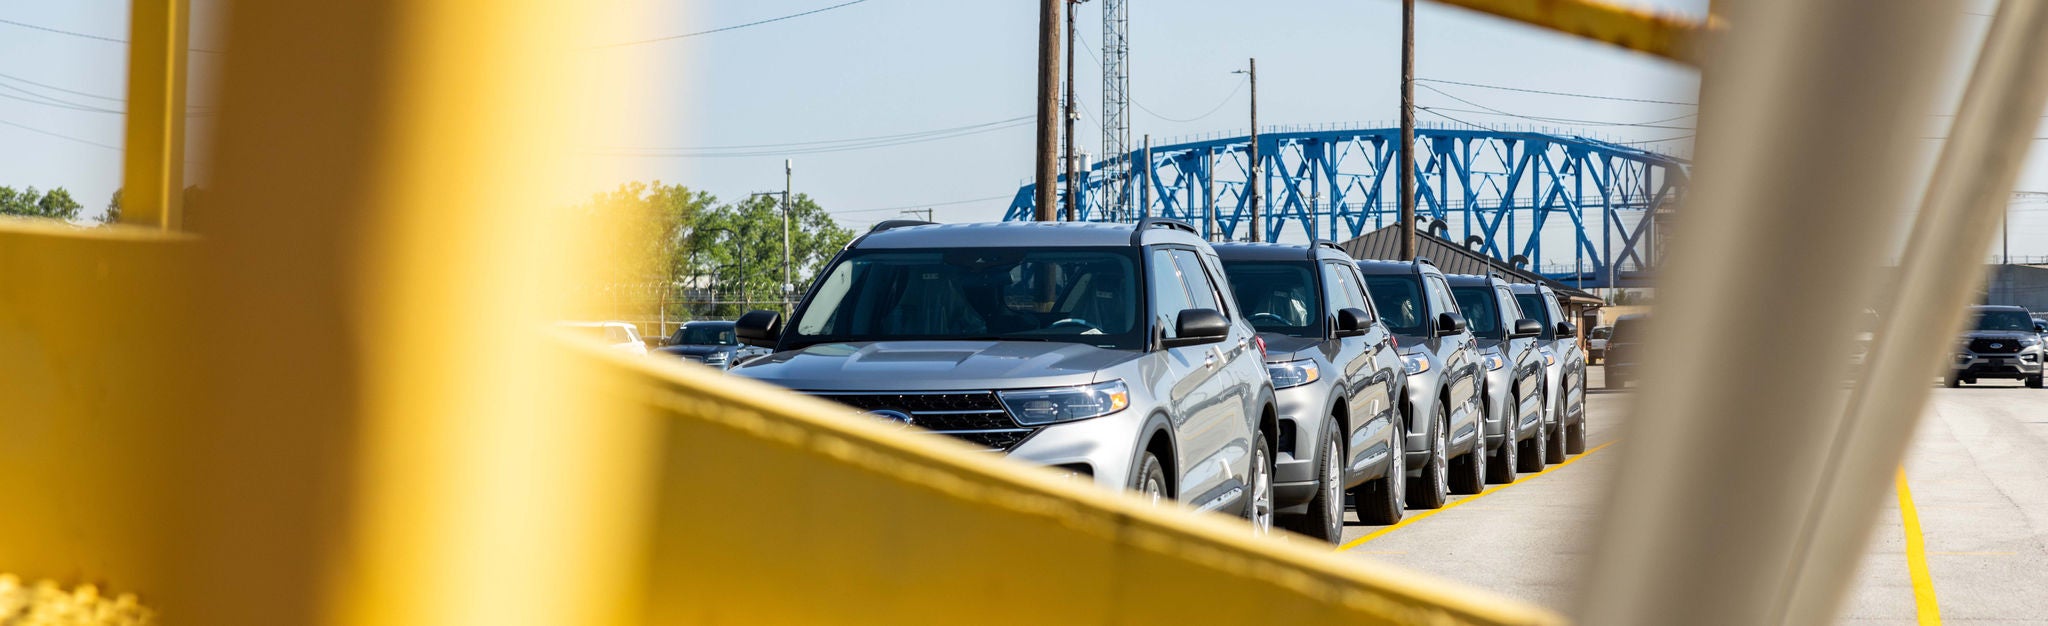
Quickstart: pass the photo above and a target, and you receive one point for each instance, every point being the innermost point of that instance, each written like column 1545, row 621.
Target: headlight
column 1415, row 363
column 717, row 357
column 1037, row 407
column 1293, row 373
column 1494, row 362
column 2029, row 341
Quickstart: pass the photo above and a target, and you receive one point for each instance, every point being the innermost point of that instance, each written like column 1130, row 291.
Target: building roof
column 1385, row 244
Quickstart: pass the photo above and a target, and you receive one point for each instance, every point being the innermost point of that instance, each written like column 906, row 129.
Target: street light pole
column 788, row 284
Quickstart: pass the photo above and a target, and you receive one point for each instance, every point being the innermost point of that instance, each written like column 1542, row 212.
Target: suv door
column 1460, row 359
column 1524, row 357
column 1197, row 387
column 1367, row 379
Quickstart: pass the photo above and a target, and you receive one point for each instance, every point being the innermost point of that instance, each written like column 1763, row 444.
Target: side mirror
column 1351, row 322
column 2041, row 328
column 1527, row 328
column 1566, row 329
column 1449, row 324
column 759, row 328
column 1198, row 326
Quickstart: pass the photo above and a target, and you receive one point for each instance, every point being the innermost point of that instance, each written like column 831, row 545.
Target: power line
column 1553, row 93
column 1563, row 120
column 56, row 88
column 1559, row 120
column 1212, row 110
column 63, row 137
column 733, row 27
column 87, row 35
column 52, row 102
column 816, row 147
column 930, row 204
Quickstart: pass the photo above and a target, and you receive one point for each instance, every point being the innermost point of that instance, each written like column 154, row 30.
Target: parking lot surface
column 1977, row 476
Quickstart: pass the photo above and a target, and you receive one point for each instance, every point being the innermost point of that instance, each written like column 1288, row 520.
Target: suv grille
column 974, row 416
column 2005, row 346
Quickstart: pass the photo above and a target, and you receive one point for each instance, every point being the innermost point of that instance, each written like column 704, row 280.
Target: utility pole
column 1048, row 108
column 1073, row 201
column 1252, row 186
column 788, row 283
column 1407, row 193
column 927, row 213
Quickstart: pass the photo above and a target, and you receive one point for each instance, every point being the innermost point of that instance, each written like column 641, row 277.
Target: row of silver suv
column 1264, row 381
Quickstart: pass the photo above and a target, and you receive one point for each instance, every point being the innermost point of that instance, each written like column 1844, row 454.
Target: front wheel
column 1502, row 469
column 1152, row 479
column 1432, row 490
column 1952, row 381
column 1553, row 448
column 1384, row 500
column 1325, row 517
column 2034, row 382
column 1258, row 506
column 1575, row 436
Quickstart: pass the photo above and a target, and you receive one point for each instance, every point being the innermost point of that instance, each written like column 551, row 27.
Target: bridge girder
column 1507, row 194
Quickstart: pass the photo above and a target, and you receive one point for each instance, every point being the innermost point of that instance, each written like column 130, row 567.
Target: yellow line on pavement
column 1916, row 557
column 1422, row 515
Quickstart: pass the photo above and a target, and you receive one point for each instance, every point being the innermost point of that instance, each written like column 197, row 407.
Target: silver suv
column 1564, row 364
column 2002, row 344
column 1513, row 387
column 1337, row 375
column 1440, row 403
column 1110, row 352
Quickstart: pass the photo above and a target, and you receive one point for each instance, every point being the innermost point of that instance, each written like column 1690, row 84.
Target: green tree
column 739, row 248
column 57, row 203
column 113, row 214
column 650, row 222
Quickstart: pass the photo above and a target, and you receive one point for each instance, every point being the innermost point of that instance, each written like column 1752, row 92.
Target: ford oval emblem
column 1997, row 346
column 893, row 416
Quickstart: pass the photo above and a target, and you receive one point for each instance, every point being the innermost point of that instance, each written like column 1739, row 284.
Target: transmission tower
column 1116, row 110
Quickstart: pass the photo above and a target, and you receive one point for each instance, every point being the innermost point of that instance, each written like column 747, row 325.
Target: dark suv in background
column 2002, row 343
column 1337, row 377
column 1441, row 401
column 711, row 343
column 1564, row 370
column 1107, row 351
column 1512, row 387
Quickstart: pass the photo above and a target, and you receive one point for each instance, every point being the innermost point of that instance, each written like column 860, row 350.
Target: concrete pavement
column 1978, row 474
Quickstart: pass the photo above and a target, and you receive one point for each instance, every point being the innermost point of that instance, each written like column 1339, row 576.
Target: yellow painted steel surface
column 1661, row 34
column 153, row 164
column 300, row 419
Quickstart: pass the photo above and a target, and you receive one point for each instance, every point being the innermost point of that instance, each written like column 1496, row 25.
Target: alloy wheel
column 1333, row 483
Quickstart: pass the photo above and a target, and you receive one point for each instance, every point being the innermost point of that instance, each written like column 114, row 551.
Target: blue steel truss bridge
column 1580, row 210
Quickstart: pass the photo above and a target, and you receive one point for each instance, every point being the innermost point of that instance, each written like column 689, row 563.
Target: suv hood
column 933, row 365
column 2011, row 335
column 1282, row 348
column 693, row 350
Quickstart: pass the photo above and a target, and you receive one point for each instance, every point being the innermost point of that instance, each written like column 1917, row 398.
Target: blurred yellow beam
column 1662, row 34
column 776, row 508
column 153, row 160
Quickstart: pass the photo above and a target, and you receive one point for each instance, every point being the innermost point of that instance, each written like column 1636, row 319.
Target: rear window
column 1626, row 330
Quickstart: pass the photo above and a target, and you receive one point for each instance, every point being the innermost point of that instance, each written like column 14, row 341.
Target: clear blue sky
column 887, row 67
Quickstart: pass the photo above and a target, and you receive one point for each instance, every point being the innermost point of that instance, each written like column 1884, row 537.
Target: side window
column 1509, row 311
column 1202, row 293
column 1350, row 272
column 1342, row 288
column 1550, row 302
column 1169, row 295
column 1439, row 296
column 1221, row 280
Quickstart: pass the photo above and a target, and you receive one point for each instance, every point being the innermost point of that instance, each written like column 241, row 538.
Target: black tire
column 1952, row 381
column 1509, row 460
column 1532, row 449
column 1258, row 502
column 1575, row 436
column 1432, row 490
column 2034, row 382
column 1384, row 500
column 1152, row 479
column 1468, row 472
column 1325, row 517
column 1553, row 444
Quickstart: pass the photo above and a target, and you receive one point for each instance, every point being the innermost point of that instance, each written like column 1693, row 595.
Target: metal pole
column 153, row 165
column 1253, row 185
column 1048, row 108
column 1145, row 191
column 1209, row 229
column 1407, row 169
column 1073, row 207
column 788, row 282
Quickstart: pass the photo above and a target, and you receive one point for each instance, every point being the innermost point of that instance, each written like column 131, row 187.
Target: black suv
column 1441, row 401
column 2002, row 344
column 1512, row 387
column 1336, row 375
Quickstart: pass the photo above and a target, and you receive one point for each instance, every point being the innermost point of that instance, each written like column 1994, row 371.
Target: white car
column 619, row 336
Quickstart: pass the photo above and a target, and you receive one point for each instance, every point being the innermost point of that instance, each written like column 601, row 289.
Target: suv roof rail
column 1147, row 224
column 1423, row 259
column 1313, row 246
column 895, row 224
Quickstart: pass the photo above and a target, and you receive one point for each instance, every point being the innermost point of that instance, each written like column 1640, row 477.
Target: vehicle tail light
column 1262, row 346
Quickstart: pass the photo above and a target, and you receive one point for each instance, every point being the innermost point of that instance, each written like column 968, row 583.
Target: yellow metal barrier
column 296, row 420
column 1661, row 34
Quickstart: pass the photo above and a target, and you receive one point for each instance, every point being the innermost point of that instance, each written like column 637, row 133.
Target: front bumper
column 1104, row 449
column 1303, row 411
column 2024, row 364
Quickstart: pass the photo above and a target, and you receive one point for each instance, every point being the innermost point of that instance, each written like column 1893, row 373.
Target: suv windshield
column 1481, row 316
column 706, row 335
column 1277, row 297
column 2005, row 321
column 1399, row 300
column 1079, row 295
